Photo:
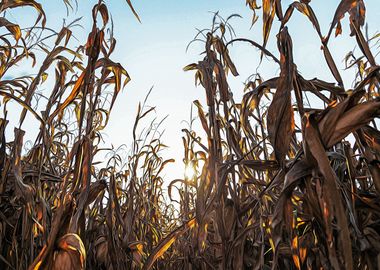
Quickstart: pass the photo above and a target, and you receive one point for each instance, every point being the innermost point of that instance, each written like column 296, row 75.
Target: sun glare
column 190, row 171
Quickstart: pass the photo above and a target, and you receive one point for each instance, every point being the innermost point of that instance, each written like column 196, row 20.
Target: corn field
column 272, row 181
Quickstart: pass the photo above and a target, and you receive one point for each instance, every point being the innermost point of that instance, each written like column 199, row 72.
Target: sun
column 190, row 172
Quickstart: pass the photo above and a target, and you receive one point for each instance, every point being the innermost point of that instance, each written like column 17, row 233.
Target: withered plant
column 282, row 185
column 60, row 208
column 272, row 181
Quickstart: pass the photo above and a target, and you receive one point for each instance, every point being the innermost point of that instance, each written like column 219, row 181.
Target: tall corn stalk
column 275, row 184
column 59, row 210
column 281, row 186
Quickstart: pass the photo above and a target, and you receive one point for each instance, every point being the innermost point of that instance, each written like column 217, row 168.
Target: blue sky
column 153, row 53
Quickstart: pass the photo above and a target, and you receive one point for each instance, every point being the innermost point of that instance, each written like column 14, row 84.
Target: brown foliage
column 275, row 182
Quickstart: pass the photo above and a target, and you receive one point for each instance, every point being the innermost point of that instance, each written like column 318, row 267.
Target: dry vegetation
column 277, row 183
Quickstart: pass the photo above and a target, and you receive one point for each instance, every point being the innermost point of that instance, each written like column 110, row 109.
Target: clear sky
column 153, row 53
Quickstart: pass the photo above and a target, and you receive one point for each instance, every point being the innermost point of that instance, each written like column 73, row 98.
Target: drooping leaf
column 280, row 113
column 133, row 10
column 21, row 3
column 13, row 28
column 165, row 244
column 269, row 9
